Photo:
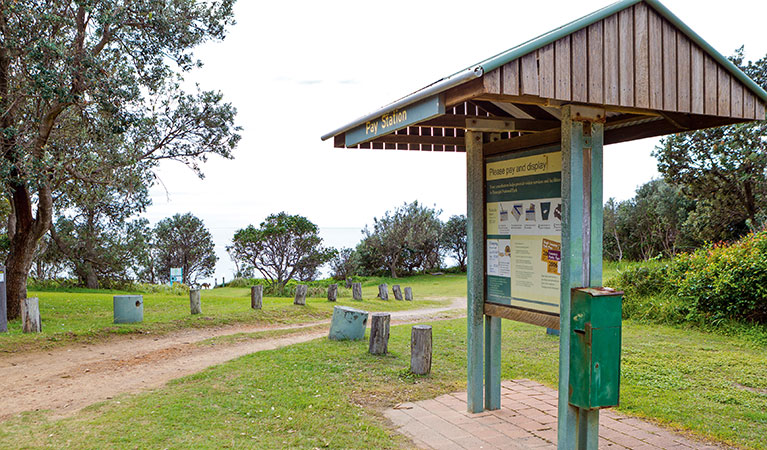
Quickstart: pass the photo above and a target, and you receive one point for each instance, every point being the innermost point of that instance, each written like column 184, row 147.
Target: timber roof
column 651, row 73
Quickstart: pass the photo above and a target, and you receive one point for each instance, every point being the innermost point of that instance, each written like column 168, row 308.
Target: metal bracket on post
column 582, row 142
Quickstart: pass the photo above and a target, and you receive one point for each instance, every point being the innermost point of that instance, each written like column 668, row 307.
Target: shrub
column 726, row 281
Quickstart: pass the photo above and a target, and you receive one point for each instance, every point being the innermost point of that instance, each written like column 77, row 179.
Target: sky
column 296, row 70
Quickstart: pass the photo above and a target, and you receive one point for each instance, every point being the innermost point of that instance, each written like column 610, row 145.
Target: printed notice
column 524, row 229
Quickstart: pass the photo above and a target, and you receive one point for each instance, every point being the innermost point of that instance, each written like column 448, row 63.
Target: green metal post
column 475, row 295
column 582, row 144
column 492, row 363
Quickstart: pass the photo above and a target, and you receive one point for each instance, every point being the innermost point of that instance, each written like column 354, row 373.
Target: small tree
column 282, row 248
column 405, row 239
column 183, row 241
column 345, row 264
column 454, row 239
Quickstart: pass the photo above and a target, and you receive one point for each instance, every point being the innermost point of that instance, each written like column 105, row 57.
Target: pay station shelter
column 533, row 121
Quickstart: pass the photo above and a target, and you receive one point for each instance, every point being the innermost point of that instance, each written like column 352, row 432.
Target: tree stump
column 256, row 296
column 347, row 324
column 397, row 292
column 332, row 292
column 195, row 302
column 383, row 291
column 420, row 349
column 379, row 333
column 301, row 290
column 30, row 316
column 348, row 283
column 357, row 291
column 409, row 294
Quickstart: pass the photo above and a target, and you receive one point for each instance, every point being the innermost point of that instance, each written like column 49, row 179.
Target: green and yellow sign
column 396, row 120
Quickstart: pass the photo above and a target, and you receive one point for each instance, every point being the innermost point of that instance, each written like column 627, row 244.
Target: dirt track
column 67, row 379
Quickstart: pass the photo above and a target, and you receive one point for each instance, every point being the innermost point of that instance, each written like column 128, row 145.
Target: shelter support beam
column 475, row 211
column 582, row 143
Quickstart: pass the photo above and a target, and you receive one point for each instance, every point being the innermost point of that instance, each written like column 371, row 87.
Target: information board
column 524, row 229
column 176, row 275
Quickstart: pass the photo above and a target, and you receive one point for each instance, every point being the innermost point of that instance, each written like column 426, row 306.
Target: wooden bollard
column 300, row 295
column 379, row 333
column 397, row 292
column 383, row 291
column 195, row 302
column 332, row 292
column 420, row 349
column 30, row 316
column 348, row 283
column 409, row 294
column 357, row 291
column 256, row 296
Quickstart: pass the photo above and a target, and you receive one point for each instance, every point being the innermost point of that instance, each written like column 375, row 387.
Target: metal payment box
column 595, row 347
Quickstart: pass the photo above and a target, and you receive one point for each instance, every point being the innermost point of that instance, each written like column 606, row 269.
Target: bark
column 357, row 291
column 420, row 349
column 332, row 292
column 379, row 333
column 300, row 298
column 24, row 241
column 256, row 296
column 383, row 291
column 195, row 301
column 30, row 316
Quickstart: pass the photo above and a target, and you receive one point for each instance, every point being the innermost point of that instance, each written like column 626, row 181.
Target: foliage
column 183, row 241
column 454, row 239
column 402, row 241
column 712, row 285
column 90, row 88
column 652, row 224
column 96, row 240
column 723, row 170
column 284, row 247
column 726, row 281
column 345, row 264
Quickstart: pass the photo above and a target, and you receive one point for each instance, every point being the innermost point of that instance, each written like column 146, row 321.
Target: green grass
column 80, row 315
column 324, row 394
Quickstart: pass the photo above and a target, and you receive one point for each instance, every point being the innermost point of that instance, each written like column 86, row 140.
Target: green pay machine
column 595, row 347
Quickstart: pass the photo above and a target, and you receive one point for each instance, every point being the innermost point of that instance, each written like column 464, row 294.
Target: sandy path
column 67, row 379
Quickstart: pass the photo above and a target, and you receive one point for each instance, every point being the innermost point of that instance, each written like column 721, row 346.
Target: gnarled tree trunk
column 24, row 236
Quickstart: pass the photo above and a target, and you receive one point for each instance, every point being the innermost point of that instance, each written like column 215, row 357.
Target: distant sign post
column 176, row 275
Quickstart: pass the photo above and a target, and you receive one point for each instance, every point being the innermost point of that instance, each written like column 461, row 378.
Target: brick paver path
column 527, row 419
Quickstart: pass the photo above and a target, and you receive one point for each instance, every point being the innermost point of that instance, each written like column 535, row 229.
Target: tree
column 405, row 239
column 454, row 239
column 652, row 223
column 183, row 241
column 722, row 169
column 345, row 264
column 282, row 248
column 93, row 231
column 89, row 87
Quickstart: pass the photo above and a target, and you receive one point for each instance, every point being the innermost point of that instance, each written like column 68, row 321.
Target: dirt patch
column 67, row 379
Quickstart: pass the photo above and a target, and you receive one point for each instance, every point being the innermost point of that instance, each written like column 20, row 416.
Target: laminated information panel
column 524, row 228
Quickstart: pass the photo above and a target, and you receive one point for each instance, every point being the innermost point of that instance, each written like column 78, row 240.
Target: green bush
column 726, row 281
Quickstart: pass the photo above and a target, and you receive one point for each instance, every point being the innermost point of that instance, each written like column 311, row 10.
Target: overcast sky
column 297, row 70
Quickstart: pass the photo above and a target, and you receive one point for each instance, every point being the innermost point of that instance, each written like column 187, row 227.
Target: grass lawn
column 82, row 315
column 324, row 394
